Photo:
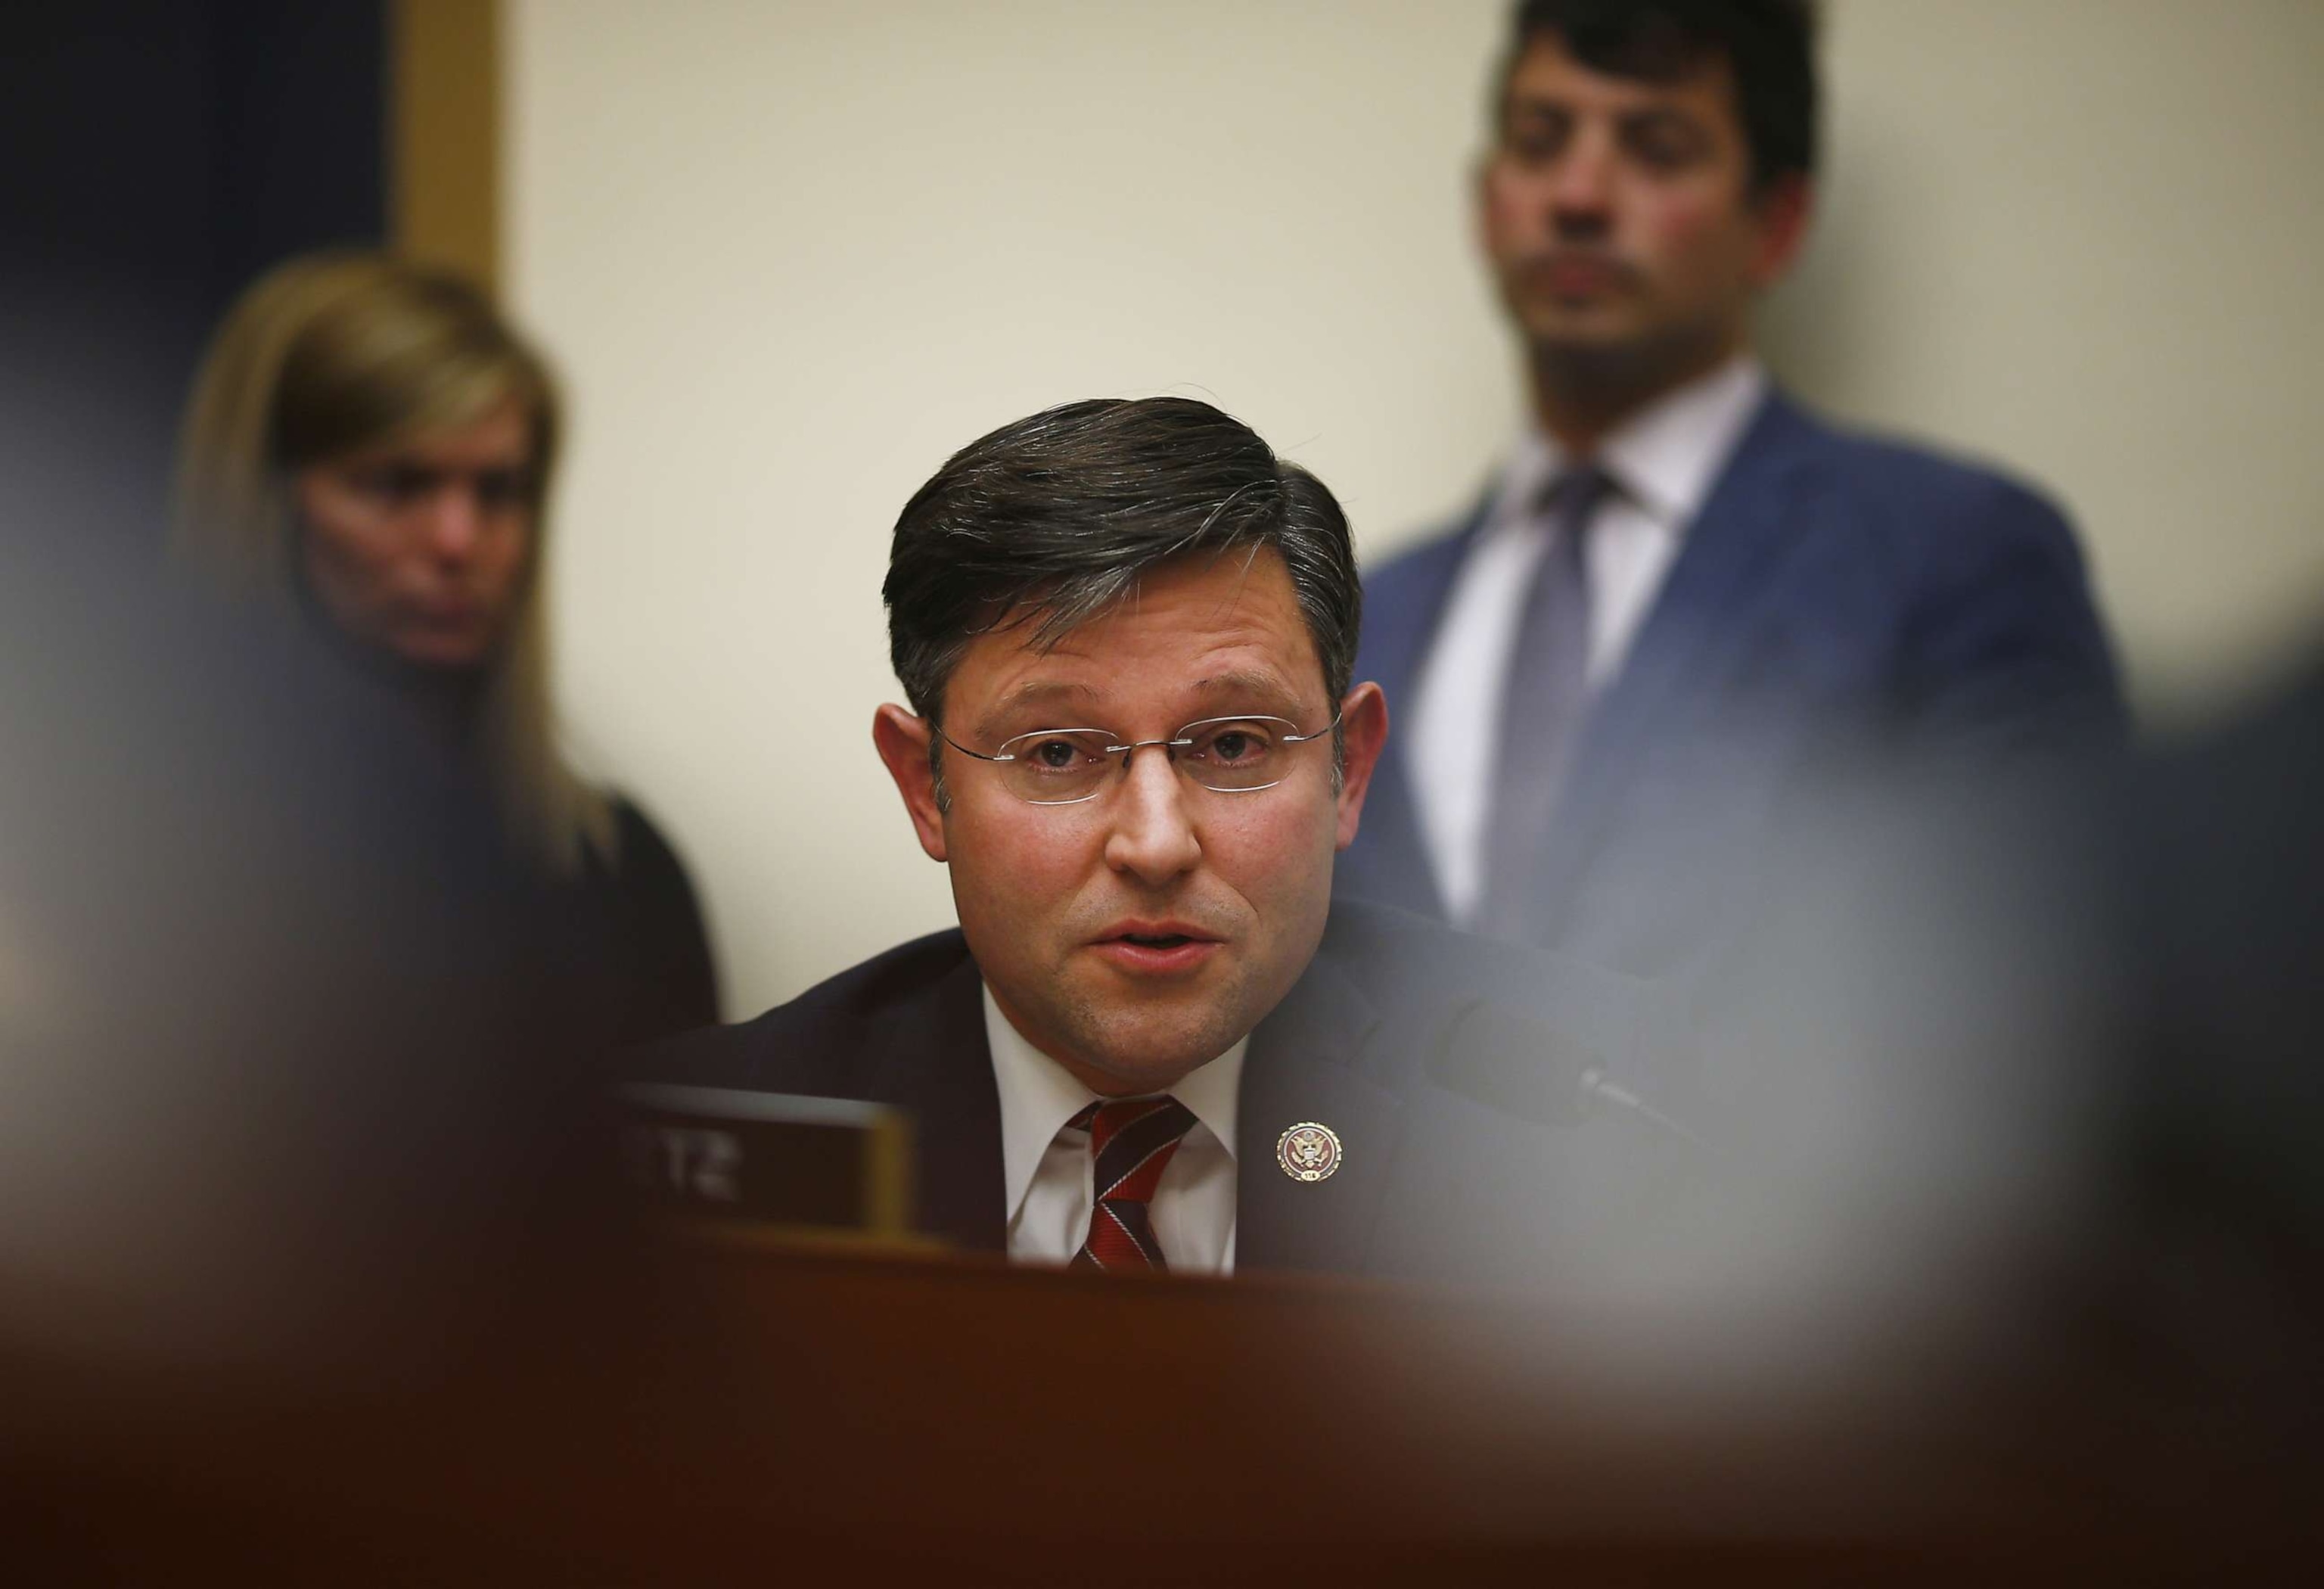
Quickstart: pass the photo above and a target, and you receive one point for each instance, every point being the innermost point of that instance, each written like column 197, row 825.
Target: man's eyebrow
column 1661, row 115
column 1248, row 681
column 1040, row 693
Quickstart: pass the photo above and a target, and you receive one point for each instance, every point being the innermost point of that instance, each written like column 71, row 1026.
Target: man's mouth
column 1577, row 275
column 1159, row 930
column 1156, row 948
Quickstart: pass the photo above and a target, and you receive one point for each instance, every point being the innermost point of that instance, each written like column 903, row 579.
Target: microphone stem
column 1599, row 1087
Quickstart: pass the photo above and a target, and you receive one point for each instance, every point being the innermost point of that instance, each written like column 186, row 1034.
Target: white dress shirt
column 1664, row 463
column 1049, row 1169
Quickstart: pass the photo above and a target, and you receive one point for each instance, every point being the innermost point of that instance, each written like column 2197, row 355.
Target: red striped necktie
column 1130, row 1144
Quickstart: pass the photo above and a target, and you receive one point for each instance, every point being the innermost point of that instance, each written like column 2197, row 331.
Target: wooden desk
column 708, row 1414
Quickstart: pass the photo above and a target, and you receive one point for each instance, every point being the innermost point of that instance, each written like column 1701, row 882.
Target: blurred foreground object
column 274, row 999
column 2033, row 1103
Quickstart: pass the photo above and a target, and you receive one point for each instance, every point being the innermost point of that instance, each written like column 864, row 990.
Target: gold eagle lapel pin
column 1308, row 1152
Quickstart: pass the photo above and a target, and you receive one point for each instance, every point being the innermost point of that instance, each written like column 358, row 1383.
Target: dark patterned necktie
column 1130, row 1145
column 1545, row 697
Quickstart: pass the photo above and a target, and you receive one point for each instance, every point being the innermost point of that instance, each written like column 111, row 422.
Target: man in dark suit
column 1684, row 600
column 1126, row 630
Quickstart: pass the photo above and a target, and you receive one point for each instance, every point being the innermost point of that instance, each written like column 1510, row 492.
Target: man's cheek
column 1684, row 225
column 1511, row 216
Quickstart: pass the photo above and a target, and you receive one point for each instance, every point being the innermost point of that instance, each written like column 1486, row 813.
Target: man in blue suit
column 1684, row 603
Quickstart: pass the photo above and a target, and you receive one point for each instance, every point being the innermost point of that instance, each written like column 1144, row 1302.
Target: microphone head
column 1519, row 1064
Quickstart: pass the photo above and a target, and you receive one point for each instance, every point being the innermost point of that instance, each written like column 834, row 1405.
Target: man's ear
column 903, row 742
column 1363, row 731
column 1783, row 210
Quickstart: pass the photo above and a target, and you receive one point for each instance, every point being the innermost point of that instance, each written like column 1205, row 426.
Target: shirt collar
column 1666, row 457
column 1038, row 1095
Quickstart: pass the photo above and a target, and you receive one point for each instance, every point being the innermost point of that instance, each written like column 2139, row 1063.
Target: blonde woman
column 370, row 444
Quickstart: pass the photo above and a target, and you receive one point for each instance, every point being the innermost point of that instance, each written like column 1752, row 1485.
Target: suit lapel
column 1389, row 862
column 1401, row 620
column 1302, row 1067
column 930, row 1056
column 1734, row 559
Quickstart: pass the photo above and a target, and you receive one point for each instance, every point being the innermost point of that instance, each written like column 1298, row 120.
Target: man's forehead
column 1201, row 633
column 1259, row 685
column 1548, row 71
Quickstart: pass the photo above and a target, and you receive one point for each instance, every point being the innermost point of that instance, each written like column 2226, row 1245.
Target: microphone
column 1521, row 1064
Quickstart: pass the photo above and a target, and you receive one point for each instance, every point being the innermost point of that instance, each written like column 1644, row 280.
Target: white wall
column 790, row 255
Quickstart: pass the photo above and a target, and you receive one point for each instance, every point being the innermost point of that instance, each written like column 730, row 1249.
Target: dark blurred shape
column 282, row 1017
column 287, row 1037
column 2025, row 1076
column 2216, row 868
column 160, row 153
column 287, row 1074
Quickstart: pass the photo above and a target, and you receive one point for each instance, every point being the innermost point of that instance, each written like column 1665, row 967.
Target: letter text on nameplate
column 753, row 1158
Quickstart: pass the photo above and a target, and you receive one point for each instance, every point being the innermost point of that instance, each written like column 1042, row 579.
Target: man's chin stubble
column 1618, row 368
column 1143, row 1058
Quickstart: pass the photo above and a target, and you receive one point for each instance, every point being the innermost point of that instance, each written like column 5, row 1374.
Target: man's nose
column 1152, row 838
column 1581, row 188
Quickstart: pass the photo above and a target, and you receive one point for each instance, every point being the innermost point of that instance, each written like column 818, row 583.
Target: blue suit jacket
column 1838, row 596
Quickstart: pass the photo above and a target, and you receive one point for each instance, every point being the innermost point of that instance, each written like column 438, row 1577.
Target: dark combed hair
column 1769, row 44
column 1052, row 519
